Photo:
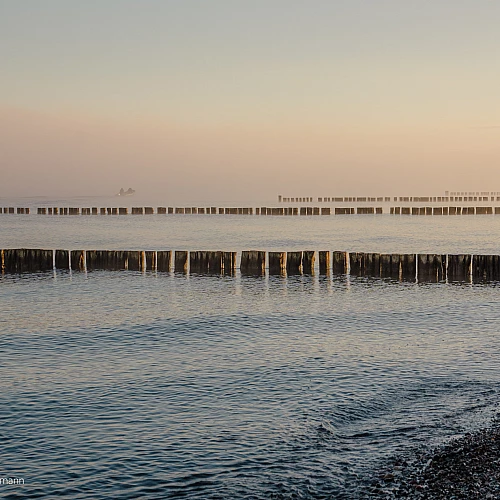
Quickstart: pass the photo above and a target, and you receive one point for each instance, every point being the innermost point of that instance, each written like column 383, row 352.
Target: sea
column 149, row 385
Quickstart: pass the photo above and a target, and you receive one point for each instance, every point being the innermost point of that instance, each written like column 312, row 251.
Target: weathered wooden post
column 324, row 262
column 134, row 260
column 163, row 259
column 459, row 267
column 308, row 260
column 198, row 262
column 150, row 260
column 122, row 211
column 277, row 262
column 91, row 258
column 408, row 266
column 386, row 270
column 486, row 267
column 65, row 259
column 253, row 262
column 339, row 262
column 214, row 260
column 181, row 261
column 229, row 262
column 107, row 260
column 293, row 263
column 431, row 267
column 357, row 263
column 371, row 265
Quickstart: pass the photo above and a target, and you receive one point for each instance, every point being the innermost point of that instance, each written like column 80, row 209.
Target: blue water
column 151, row 385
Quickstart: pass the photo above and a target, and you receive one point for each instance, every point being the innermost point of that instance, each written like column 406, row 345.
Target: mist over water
column 163, row 385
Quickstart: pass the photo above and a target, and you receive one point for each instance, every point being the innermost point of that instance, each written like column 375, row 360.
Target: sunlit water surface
column 150, row 385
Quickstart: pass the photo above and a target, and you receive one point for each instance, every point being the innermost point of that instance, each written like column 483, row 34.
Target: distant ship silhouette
column 128, row 192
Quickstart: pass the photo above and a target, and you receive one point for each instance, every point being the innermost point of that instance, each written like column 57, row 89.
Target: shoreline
column 465, row 468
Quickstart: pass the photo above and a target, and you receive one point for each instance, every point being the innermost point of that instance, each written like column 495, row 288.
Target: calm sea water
column 151, row 385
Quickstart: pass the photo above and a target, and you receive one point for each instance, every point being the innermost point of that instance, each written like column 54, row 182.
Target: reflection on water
column 159, row 385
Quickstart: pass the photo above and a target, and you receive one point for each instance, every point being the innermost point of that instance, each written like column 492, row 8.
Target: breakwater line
column 404, row 267
column 271, row 211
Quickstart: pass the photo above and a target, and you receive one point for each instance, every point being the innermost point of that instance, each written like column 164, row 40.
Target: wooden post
column 150, row 260
column 459, row 267
column 371, row 265
column 163, row 259
column 357, row 263
column 277, row 262
column 408, row 266
column 486, row 268
column 308, row 259
column 180, row 261
column 198, row 262
column 431, row 267
column 339, row 262
column 253, row 262
column 324, row 262
column 229, row 262
column 214, row 260
column 293, row 262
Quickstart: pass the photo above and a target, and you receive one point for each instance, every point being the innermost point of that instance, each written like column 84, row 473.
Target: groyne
column 404, row 267
column 271, row 211
column 449, row 196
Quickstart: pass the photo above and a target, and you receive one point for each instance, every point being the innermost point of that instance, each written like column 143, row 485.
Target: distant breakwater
column 275, row 211
column 403, row 267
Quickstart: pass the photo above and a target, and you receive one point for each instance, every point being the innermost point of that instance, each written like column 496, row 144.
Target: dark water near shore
column 130, row 385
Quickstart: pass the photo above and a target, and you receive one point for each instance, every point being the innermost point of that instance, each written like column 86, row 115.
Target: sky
column 228, row 99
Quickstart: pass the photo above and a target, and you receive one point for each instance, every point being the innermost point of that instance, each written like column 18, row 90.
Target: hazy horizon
column 194, row 101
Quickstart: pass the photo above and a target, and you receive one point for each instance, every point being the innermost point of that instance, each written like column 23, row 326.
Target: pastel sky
column 228, row 99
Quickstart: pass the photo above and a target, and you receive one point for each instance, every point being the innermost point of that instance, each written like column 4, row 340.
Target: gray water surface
column 151, row 385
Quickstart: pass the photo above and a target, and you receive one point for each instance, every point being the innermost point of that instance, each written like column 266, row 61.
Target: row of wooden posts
column 410, row 267
column 256, row 211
